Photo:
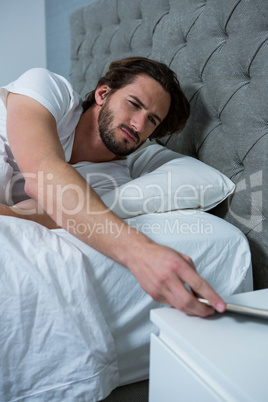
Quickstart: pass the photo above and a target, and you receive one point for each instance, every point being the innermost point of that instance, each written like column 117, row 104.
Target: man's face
column 131, row 114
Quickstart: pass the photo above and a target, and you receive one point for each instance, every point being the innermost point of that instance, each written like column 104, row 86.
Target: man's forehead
column 144, row 80
column 145, row 85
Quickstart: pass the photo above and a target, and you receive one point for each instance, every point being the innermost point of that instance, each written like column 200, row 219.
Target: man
column 47, row 132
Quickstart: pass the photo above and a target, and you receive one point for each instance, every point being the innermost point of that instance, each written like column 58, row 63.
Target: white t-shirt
column 56, row 94
column 53, row 92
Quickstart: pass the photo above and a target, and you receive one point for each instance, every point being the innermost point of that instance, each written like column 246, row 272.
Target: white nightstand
column 221, row 358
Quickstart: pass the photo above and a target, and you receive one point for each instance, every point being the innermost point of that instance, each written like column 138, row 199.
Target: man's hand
column 163, row 274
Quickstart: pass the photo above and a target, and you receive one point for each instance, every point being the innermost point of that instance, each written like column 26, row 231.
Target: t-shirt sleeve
column 51, row 90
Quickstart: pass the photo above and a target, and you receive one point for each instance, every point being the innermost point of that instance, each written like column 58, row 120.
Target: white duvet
column 74, row 324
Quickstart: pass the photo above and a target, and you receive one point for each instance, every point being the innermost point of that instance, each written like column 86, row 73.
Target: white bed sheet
column 74, row 324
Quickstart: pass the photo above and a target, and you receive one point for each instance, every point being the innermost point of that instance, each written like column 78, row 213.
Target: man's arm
column 66, row 197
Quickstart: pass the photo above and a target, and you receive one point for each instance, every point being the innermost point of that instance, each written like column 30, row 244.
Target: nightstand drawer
column 172, row 380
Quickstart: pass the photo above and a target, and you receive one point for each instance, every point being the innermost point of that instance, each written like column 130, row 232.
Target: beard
column 108, row 136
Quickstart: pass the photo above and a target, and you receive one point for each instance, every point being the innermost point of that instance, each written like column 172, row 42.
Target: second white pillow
column 181, row 183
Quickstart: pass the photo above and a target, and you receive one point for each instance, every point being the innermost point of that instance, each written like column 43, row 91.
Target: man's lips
column 132, row 137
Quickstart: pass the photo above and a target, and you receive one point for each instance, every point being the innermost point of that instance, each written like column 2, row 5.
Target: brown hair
column 124, row 72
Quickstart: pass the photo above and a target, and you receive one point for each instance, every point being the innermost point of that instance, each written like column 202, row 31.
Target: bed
column 74, row 324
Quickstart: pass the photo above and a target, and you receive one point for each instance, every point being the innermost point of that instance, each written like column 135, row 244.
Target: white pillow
column 104, row 176
column 180, row 183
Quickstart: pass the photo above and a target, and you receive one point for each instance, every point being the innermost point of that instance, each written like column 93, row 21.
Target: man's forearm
column 75, row 206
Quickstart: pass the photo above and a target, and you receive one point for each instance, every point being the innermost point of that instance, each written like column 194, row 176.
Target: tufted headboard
column 219, row 50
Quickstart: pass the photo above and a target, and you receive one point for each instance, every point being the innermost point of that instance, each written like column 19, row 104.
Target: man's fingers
column 201, row 288
column 185, row 300
column 182, row 299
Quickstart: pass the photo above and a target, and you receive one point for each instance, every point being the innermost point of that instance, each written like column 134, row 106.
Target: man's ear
column 100, row 94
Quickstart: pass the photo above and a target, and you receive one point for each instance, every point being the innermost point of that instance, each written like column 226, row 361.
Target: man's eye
column 134, row 104
column 152, row 120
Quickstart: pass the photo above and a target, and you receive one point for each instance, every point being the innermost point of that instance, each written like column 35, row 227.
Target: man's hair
column 124, row 72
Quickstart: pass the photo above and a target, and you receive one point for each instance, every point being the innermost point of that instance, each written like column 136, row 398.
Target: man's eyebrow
column 145, row 107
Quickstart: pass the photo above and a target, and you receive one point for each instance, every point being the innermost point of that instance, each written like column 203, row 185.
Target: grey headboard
column 219, row 50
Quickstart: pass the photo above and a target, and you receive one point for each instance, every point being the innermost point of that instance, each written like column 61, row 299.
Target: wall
column 58, row 33
column 35, row 33
column 23, row 40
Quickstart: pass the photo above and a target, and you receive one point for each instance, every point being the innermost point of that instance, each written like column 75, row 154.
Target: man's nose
column 138, row 122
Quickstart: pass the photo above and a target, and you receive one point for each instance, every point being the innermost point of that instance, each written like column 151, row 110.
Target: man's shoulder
column 48, row 88
column 41, row 74
column 49, row 84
